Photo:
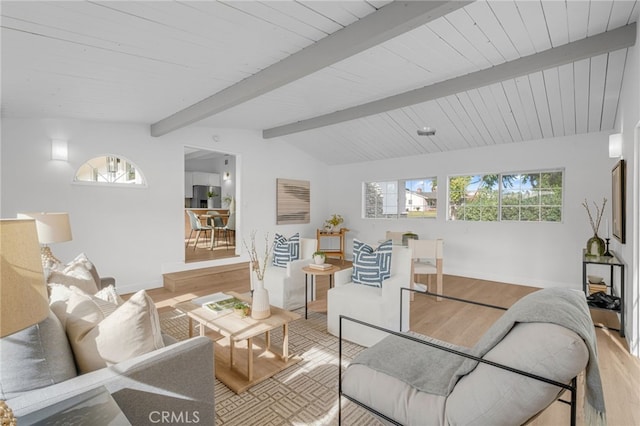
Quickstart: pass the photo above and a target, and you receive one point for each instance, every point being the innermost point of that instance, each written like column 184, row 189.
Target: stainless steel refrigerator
column 199, row 200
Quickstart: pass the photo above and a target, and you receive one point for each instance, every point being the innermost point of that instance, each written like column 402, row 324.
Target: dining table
column 206, row 217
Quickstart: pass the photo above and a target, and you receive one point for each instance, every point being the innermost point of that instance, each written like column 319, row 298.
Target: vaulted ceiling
column 345, row 81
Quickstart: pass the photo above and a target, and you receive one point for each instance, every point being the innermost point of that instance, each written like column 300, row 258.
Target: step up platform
column 215, row 276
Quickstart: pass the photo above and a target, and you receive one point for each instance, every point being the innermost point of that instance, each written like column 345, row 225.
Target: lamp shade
column 23, row 292
column 52, row 227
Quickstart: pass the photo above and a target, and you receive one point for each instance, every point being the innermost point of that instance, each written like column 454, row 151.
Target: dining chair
column 427, row 258
column 230, row 228
column 218, row 229
column 211, row 214
column 196, row 226
column 395, row 237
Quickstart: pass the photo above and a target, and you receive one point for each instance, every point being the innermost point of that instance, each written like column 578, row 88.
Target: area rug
column 304, row 394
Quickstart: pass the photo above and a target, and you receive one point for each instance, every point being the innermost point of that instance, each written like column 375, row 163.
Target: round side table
column 314, row 272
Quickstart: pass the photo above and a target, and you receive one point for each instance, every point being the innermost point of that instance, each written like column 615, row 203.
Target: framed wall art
column 618, row 201
column 293, row 201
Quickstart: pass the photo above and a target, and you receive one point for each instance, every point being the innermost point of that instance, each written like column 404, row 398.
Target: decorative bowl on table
column 594, row 279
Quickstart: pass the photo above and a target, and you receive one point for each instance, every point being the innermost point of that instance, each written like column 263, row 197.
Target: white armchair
column 375, row 305
column 286, row 285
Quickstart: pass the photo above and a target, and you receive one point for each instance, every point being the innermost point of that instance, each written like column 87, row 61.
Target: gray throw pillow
column 35, row 357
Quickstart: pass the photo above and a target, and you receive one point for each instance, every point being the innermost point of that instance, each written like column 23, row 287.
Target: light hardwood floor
column 203, row 252
column 463, row 324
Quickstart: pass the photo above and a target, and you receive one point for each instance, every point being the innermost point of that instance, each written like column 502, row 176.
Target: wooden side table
column 612, row 262
column 314, row 272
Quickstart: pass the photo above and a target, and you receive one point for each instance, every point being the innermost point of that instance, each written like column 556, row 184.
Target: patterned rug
column 304, row 394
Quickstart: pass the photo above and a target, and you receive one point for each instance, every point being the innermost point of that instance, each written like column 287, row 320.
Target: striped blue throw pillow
column 371, row 267
column 285, row 250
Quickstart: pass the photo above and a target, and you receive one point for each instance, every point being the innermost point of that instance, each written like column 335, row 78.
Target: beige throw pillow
column 103, row 334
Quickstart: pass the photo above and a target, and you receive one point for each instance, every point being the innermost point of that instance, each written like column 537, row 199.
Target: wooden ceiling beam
column 620, row 38
column 388, row 22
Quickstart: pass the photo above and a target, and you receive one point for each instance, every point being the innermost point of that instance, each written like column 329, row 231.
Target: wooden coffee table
column 238, row 342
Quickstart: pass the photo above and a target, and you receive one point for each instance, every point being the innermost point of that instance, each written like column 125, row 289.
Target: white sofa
column 374, row 305
column 286, row 285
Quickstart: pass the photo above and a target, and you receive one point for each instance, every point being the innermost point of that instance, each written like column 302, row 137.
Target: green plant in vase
column 333, row 222
column 595, row 244
column 242, row 309
column 319, row 257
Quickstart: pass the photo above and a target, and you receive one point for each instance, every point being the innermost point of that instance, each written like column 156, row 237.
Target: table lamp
column 52, row 228
column 23, row 292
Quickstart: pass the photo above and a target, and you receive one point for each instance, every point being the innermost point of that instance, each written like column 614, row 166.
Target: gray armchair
column 524, row 362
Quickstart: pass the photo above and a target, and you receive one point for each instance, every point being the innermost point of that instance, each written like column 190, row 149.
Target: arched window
column 111, row 170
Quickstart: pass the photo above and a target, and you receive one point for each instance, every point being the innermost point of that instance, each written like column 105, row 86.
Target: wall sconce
column 59, row 149
column 615, row 145
column 226, row 176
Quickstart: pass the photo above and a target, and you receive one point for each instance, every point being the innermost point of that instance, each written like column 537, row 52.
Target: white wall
column 137, row 234
column 538, row 254
column 628, row 118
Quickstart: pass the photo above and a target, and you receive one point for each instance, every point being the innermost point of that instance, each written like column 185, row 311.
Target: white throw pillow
column 110, row 295
column 60, row 294
column 83, row 260
column 75, row 273
column 102, row 334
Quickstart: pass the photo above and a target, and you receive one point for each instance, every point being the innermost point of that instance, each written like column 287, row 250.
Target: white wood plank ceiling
column 144, row 61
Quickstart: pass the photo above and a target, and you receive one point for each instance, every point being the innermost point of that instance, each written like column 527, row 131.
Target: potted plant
column 333, row 222
column 408, row 236
column 319, row 257
column 241, row 309
column 210, row 195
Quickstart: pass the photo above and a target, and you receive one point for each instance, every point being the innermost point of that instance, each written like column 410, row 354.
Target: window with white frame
column 407, row 198
column 110, row 170
column 524, row 197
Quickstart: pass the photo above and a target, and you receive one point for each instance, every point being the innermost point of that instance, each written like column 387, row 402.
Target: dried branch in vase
column 595, row 224
column 257, row 266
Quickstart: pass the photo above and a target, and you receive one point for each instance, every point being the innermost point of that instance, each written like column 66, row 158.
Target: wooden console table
column 331, row 251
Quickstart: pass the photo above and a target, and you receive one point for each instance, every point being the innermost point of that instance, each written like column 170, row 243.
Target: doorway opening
column 209, row 205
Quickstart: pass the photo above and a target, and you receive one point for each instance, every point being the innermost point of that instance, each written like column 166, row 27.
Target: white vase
column 209, row 203
column 318, row 260
column 260, row 308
